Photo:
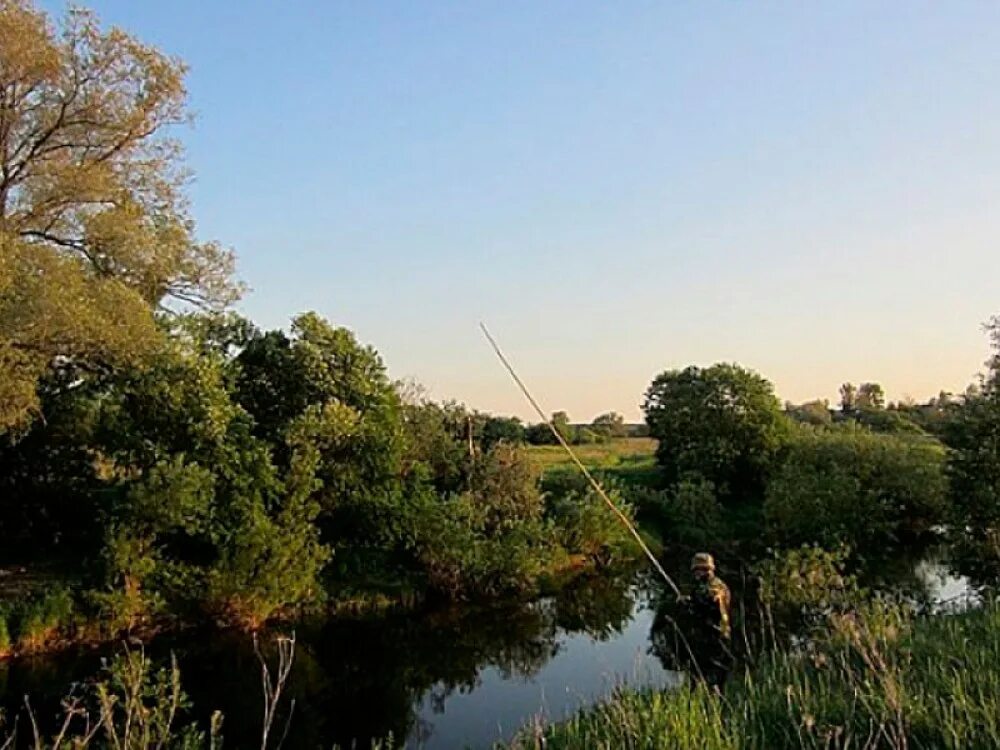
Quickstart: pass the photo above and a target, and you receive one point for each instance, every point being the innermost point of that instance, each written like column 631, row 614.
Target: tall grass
column 875, row 679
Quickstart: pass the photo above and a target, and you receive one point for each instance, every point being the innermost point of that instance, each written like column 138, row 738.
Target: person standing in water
column 711, row 598
column 692, row 633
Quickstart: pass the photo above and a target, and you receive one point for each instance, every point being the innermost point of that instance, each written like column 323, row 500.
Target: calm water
column 441, row 678
column 461, row 677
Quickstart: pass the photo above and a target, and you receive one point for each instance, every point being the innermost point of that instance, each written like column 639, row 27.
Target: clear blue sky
column 616, row 188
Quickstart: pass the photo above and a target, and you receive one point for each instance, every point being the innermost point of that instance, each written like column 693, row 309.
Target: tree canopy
column 722, row 422
column 94, row 228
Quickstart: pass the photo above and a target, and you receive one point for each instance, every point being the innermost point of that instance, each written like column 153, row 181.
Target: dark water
column 460, row 677
column 439, row 678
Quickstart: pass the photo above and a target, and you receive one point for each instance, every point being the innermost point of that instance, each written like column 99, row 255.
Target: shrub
column 850, row 485
column 807, row 583
column 583, row 522
column 689, row 512
column 488, row 541
column 41, row 618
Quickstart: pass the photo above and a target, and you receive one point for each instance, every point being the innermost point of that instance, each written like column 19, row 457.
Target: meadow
column 632, row 460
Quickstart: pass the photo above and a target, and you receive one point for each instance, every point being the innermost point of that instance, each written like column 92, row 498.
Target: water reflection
column 442, row 679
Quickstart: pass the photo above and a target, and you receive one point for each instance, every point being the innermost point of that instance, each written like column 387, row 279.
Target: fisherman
column 692, row 633
column 710, row 599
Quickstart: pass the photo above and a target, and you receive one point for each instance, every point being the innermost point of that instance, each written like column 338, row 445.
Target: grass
column 631, row 460
column 876, row 679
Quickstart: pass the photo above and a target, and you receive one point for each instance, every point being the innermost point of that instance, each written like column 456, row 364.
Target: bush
column 463, row 557
column 689, row 512
column 488, row 541
column 34, row 622
column 583, row 522
column 806, row 583
column 850, row 485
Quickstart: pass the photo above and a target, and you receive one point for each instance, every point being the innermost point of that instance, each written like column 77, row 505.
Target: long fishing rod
column 562, row 441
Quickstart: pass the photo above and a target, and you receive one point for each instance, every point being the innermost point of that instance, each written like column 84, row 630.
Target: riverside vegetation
column 164, row 461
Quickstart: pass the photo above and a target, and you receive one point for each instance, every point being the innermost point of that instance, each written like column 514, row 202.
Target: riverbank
column 875, row 678
column 56, row 617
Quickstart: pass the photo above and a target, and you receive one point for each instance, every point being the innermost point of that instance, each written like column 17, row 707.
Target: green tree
column 973, row 434
column 815, row 412
column 611, row 424
column 501, row 429
column 722, row 423
column 202, row 516
column 870, row 396
column 560, row 420
column 323, row 374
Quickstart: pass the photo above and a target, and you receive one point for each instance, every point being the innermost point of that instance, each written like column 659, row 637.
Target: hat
column 702, row 561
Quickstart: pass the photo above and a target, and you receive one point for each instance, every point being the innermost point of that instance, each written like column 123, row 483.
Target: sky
column 810, row 190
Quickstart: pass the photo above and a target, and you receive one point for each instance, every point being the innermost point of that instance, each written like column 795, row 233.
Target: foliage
column 436, row 437
column 501, row 429
column 202, row 517
column 584, row 524
column 93, row 225
column 973, row 435
column 807, row 582
column 541, row 433
column 722, row 422
column 888, row 421
column 815, row 412
column 489, row 540
column 132, row 706
column 610, row 425
column 850, row 485
column 322, row 375
column 870, row 396
column 34, row 622
column 689, row 512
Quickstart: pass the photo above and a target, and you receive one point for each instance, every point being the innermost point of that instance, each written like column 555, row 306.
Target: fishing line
column 562, row 441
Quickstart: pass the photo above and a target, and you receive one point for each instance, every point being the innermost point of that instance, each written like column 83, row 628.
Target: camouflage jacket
column 710, row 604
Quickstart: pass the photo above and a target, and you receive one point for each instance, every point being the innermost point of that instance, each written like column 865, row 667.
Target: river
column 440, row 678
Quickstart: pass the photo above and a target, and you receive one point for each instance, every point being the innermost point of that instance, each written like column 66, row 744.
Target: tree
column 848, row 398
column 501, row 429
column 560, row 420
column 611, row 424
column 321, row 373
column 199, row 513
column 86, row 167
column 870, row 396
column 973, row 434
column 723, row 423
column 816, row 412
column 94, row 231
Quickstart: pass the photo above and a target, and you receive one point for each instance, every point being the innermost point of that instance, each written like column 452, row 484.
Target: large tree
column 723, row 423
column 94, row 227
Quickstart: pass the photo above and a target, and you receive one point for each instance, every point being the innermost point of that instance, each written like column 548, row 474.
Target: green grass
column 631, row 460
column 876, row 680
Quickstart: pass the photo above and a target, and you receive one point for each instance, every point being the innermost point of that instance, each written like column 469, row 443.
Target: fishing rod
column 579, row 464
